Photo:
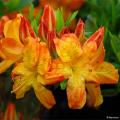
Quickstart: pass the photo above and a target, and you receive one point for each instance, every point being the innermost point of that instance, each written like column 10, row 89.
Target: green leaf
column 39, row 16
column 70, row 18
column 35, row 26
column 63, row 84
column 115, row 43
column 59, row 20
column 12, row 4
column 31, row 13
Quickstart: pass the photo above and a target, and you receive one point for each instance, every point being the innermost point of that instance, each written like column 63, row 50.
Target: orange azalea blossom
column 84, row 67
column 11, row 45
column 11, row 114
column 47, row 27
column 30, row 72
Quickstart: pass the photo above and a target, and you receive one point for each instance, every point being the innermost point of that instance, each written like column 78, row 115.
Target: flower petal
column 76, row 92
column 94, row 97
column 11, row 49
column 89, row 51
column 11, row 29
column 25, row 30
column 68, row 47
column 48, row 18
column 57, row 73
column 22, row 80
column 44, row 59
column 47, row 23
column 44, row 96
column 79, row 31
column 105, row 73
column 98, row 36
column 5, row 64
column 31, row 53
column 21, row 86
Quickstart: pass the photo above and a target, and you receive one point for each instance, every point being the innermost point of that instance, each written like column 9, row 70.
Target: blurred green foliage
column 105, row 13
column 12, row 5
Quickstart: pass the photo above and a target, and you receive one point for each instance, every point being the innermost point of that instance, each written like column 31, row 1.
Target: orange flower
column 30, row 72
column 84, row 67
column 10, row 46
column 11, row 114
column 47, row 27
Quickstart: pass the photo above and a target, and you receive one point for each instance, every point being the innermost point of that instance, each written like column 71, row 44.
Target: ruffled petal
column 31, row 53
column 22, row 80
column 89, row 51
column 105, row 73
column 76, row 92
column 44, row 59
column 57, row 73
column 44, row 95
column 5, row 64
column 68, row 47
column 94, row 97
column 11, row 29
column 11, row 49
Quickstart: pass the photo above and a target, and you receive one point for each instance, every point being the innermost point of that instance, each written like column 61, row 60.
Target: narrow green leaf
column 39, row 16
column 35, row 26
column 63, row 84
column 59, row 20
column 31, row 13
column 70, row 18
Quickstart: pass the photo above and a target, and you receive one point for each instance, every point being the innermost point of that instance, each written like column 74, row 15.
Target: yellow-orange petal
column 22, row 80
column 105, row 73
column 76, row 92
column 11, row 49
column 11, row 29
column 44, row 59
column 99, row 56
column 44, row 95
column 97, row 37
column 68, row 47
column 89, row 51
column 5, row 64
column 21, row 86
column 58, row 72
column 94, row 97
column 31, row 53
column 20, row 70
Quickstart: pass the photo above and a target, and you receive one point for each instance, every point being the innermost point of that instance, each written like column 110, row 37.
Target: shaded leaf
column 70, row 18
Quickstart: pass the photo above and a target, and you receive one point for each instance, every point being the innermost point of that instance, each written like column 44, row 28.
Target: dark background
column 109, row 108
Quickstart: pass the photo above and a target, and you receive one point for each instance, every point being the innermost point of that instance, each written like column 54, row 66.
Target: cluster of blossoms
column 52, row 57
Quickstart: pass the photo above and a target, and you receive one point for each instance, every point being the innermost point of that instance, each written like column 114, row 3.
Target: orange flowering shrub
column 77, row 59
